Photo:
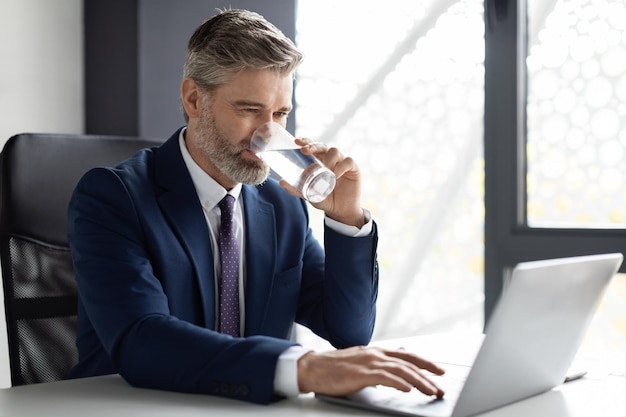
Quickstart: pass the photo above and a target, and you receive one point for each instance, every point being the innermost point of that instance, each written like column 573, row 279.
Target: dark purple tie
column 229, row 281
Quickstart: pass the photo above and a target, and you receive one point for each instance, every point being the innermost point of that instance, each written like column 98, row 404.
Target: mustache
column 244, row 145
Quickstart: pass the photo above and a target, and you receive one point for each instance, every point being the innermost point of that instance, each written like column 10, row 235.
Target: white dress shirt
column 210, row 194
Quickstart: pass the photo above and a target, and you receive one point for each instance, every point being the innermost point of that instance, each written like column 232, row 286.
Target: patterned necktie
column 229, row 280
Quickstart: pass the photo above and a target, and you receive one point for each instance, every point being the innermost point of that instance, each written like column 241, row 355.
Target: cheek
column 232, row 126
column 234, row 131
column 225, row 125
column 242, row 128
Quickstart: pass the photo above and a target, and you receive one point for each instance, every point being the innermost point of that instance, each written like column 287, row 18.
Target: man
column 145, row 240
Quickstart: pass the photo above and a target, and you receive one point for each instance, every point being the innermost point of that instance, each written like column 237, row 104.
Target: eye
column 281, row 115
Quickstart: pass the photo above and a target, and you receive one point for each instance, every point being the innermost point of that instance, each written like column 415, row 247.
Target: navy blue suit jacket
column 143, row 262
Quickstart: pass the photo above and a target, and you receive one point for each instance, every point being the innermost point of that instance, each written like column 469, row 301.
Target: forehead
column 262, row 86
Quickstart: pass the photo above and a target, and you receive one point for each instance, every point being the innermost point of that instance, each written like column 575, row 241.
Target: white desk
column 601, row 394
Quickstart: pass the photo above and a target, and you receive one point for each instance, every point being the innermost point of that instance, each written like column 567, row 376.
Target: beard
column 225, row 155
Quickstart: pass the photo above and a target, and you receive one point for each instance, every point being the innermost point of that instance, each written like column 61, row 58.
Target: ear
column 190, row 95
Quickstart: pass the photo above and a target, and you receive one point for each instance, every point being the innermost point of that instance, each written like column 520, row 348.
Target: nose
column 262, row 120
column 269, row 117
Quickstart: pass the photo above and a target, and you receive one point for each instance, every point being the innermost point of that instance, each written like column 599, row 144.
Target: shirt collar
column 210, row 192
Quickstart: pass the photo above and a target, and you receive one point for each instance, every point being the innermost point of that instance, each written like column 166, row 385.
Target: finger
column 428, row 387
column 417, row 360
column 412, row 375
column 290, row 188
column 340, row 166
column 312, row 147
column 387, row 379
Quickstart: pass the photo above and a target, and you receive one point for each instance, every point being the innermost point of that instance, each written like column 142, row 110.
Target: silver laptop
column 529, row 344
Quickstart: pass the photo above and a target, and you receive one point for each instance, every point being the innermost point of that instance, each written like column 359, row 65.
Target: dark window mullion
column 503, row 129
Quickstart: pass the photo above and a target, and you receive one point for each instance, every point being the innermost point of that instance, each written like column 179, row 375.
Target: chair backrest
column 38, row 173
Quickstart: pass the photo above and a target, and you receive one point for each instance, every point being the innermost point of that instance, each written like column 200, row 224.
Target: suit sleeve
column 127, row 306
column 341, row 307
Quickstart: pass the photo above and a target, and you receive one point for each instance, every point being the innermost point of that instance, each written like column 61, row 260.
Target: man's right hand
column 346, row 371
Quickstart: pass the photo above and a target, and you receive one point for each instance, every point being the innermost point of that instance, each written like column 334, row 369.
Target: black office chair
column 38, row 173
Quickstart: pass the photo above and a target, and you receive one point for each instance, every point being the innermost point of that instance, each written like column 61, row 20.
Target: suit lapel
column 260, row 257
column 180, row 205
column 183, row 210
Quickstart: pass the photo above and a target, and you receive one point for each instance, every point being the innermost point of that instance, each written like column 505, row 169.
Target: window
column 576, row 110
column 554, row 142
column 415, row 103
column 576, row 131
column 400, row 90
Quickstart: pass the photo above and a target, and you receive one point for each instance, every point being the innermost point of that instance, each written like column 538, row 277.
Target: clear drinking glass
column 276, row 146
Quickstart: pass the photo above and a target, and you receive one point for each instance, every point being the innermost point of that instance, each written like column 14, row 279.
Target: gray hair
column 235, row 40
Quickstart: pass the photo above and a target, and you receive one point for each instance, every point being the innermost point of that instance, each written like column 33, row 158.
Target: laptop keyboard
column 453, row 380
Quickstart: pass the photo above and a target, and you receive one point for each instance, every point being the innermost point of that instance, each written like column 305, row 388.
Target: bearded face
column 225, row 154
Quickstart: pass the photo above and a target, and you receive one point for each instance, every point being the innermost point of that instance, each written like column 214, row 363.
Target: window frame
column 508, row 238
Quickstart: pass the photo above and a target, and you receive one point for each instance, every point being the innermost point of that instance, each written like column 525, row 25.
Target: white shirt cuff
column 351, row 231
column 286, row 377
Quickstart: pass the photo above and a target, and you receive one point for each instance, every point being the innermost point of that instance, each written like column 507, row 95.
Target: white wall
column 41, row 70
column 41, row 81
